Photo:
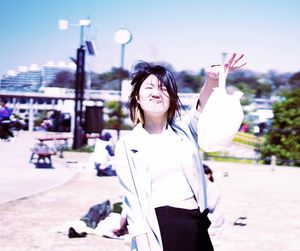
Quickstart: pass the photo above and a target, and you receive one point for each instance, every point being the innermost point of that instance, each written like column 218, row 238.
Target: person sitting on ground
column 216, row 214
column 102, row 156
column 5, row 114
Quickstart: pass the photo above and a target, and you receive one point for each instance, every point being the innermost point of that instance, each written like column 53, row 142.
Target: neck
column 155, row 125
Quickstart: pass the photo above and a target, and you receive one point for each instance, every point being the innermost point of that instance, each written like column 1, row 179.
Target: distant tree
column 64, row 79
column 294, row 80
column 245, row 76
column 188, row 82
column 279, row 80
column 119, row 73
column 109, row 80
column 264, row 88
column 283, row 140
column 247, row 91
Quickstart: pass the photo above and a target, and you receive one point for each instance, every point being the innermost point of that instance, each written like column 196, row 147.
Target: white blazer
column 135, row 178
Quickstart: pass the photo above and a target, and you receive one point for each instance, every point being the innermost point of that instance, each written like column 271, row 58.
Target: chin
column 157, row 113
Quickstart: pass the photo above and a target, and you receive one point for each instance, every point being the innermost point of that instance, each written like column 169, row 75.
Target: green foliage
column 116, row 116
column 230, row 159
column 248, row 92
column 263, row 90
column 40, row 118
column 83, row 149
column 245, row 88
column 223, row 157
column 283, row 140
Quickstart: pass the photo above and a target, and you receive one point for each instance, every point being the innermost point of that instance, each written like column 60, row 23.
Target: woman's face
column 153, row 97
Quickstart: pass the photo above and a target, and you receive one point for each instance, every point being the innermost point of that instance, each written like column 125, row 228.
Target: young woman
column 159, row 166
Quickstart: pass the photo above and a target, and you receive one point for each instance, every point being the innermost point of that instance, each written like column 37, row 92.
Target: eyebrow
column 149, row 84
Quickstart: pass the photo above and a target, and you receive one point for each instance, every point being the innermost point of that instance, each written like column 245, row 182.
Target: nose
column 156, row 92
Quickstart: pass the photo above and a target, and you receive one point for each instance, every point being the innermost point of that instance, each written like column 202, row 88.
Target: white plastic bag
column 221, row 117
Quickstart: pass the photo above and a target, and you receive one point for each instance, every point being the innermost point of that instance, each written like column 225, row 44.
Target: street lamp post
column 224, row 55
column 122, row 36
column 80, row 80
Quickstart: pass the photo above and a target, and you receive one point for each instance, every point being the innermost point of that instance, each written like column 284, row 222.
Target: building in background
column 33, row 78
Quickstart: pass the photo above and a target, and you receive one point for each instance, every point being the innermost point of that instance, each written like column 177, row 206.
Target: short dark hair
column 141, row 71
column 207, row 171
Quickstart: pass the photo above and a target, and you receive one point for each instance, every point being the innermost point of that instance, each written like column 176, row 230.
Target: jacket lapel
column 138, row 154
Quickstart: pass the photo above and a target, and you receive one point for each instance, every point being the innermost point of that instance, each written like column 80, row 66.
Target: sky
column 188, row 34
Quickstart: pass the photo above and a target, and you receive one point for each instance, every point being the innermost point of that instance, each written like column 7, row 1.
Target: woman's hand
column 212, row 79
column 231, row 65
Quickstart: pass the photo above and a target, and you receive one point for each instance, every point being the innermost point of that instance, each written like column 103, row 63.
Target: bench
column 42, row 153
column 60, row 142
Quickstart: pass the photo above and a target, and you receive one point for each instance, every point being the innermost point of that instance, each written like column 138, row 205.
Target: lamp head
column 63, row 24
column 85, row 22
column 123, row 36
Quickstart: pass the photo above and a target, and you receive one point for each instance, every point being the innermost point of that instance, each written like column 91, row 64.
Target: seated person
column 216, row 214
column 5, row 122
column 102, row 156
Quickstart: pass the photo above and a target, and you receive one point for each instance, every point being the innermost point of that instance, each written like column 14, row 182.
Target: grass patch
column 230, row 159
column 83, row 149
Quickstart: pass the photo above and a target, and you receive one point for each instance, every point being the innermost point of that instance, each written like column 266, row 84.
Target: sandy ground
column 269, row 199
column 31, row 223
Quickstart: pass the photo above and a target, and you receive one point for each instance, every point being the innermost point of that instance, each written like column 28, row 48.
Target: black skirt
column 183, row 229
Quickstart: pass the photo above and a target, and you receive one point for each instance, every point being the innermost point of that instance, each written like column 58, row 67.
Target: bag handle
column 222, row 76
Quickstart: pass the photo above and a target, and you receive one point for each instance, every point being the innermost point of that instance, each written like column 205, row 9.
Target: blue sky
column 188, row 34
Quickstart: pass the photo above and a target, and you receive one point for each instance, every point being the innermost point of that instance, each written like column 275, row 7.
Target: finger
column 238, row 59
column 229, row 62
column 238, row 67
column 242, row 55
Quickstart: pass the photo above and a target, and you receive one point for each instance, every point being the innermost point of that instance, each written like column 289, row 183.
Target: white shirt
column 169, row 184
column 100, row 154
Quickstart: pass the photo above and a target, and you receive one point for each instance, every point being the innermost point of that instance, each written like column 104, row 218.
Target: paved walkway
column 20, row 178
column 269, row 199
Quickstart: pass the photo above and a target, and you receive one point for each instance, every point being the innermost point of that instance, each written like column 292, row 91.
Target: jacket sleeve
column 132, row 204
column 220, row 120
column 191, row 118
